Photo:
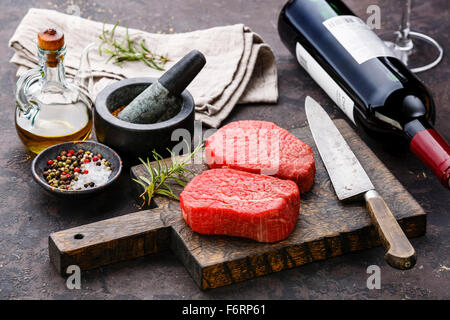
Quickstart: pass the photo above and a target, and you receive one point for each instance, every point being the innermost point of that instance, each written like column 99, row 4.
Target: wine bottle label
column 324, row 80
column 357, row 38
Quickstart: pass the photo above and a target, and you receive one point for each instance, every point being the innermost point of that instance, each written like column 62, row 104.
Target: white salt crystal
column 96, row 174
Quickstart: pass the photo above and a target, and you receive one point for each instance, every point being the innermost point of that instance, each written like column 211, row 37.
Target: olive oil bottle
column 49, row 109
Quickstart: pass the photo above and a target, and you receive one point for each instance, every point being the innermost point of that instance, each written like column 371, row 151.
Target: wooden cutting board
column 325, row 228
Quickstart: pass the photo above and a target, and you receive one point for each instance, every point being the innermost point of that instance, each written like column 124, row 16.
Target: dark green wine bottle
column 363, row 77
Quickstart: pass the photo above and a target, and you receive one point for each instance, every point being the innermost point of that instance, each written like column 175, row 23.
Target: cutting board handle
column 400, row 253
column 108, row 241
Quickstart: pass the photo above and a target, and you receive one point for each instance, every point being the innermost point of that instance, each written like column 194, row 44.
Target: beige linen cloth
column 240, row 67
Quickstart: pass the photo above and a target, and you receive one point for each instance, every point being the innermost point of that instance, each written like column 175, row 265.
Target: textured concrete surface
column 28, row 215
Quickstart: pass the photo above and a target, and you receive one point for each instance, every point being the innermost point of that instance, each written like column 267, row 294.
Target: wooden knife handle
column 400, row 253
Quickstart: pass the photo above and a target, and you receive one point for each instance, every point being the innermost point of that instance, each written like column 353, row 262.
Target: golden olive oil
column 54, row 124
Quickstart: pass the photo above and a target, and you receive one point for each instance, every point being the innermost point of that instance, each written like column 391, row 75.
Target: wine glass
column 416, row 50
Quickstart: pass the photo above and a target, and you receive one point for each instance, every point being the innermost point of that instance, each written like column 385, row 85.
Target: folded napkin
column 240, row 67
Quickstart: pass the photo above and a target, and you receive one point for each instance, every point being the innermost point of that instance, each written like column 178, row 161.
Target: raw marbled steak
column 262, row 147
column 238, row 203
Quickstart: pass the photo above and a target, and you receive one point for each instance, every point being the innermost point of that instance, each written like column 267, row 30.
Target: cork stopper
column 50, row 39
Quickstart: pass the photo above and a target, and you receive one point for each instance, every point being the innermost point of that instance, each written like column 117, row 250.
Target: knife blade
column 350, row 180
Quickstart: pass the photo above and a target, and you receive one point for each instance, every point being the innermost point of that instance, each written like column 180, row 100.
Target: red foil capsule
column 434, row 151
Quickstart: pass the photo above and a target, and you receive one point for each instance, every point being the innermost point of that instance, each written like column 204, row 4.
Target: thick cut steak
column 262, row 147
column 238, row 203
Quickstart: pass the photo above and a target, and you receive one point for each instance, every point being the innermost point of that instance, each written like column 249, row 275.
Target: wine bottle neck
column 430, row 147
column 415, row 126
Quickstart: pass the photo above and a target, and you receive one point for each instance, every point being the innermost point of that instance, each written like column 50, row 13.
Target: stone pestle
column 161, row 100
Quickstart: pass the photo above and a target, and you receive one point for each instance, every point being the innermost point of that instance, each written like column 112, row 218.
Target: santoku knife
column 350, row 181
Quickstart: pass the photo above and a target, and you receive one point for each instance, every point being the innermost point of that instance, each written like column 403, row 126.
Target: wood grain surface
column 400, row 253
column 326, row 228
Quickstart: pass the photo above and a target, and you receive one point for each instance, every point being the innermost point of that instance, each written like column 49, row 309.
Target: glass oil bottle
column 49, row 109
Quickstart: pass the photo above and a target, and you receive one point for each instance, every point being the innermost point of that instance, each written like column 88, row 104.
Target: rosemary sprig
column 162, row 174
column 128, row 50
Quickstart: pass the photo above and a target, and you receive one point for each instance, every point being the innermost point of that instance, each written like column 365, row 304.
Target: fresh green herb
column 162, row 174
column 129, row 50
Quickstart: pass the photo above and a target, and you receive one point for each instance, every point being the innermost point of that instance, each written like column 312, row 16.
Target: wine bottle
column 363, row 77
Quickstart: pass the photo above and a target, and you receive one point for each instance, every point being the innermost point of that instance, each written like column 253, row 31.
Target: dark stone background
column 28, row 215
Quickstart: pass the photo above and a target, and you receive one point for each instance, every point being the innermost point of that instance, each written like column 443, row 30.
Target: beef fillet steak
column 242, row 204
column 262, row 147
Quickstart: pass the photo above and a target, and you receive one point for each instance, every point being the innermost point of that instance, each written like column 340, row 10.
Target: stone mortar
column 133, row 140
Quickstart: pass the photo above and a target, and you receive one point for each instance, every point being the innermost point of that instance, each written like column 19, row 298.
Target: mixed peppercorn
column 69, row 166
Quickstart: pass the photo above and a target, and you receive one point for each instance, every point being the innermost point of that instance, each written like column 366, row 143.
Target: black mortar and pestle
column 154, row 109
